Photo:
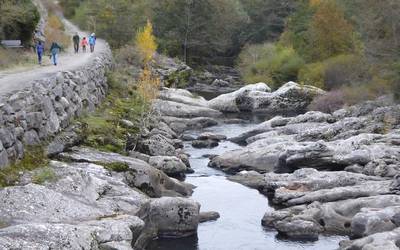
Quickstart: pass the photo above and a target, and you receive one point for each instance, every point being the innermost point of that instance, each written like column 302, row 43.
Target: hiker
column 84, row 43
column 92, row 42
column 54, row 49
column 39, row 51
column 76, row 39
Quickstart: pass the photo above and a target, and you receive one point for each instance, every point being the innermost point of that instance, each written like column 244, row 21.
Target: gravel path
column 20, row 78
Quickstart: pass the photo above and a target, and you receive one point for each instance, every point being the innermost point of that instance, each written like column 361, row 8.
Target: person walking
column 92, row 42
column 84, row 44
column 76, row 39
column 54, row 50
column 39, row 51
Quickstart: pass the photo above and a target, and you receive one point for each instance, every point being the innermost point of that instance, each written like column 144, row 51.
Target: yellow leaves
column 148, row 84
column 146, row 42
column 314, row 3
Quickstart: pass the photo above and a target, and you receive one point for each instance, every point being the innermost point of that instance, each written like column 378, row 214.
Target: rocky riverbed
column 323, row 174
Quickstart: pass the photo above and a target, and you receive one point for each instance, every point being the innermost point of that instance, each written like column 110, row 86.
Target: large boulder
column 182, row 96
column 177, row 109
column 174, row 217
column 291, row 97
column 156, row 144
column 371, row 220
column 170, row 165
column 227, row 102
column 379, row 241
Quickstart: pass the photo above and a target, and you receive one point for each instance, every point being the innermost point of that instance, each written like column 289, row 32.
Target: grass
column 34, row 158
column 43, row 174
column 115, row 166
column 12, row 58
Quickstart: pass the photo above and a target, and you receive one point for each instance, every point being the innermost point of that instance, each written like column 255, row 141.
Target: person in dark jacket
column 39, row 51
column 54, row 50
column 76, row 39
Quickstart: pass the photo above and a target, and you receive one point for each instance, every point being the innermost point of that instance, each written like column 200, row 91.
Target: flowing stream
column 241, row 208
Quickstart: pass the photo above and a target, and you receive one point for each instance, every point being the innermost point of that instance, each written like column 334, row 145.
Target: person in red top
column 84, row 43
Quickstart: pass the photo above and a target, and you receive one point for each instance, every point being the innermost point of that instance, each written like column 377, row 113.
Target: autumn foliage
column 331, row 34
column 148, row 84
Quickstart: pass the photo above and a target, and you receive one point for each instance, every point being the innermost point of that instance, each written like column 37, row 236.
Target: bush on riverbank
column 270, row 63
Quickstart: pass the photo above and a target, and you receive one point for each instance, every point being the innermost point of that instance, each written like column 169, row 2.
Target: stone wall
column 35, row 114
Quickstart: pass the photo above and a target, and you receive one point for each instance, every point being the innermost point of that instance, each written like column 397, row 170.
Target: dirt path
column 20, row 78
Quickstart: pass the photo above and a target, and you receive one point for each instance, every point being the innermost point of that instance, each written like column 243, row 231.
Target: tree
column 18, row 19
column 330, row 33
column 266, row 19
column 148, row 84
column 116, row 21
column 197, row 31
column 146, row 42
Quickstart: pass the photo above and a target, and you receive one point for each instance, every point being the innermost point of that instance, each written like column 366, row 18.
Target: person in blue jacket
column 54, row 50
column 40, row 51
column 92, row 42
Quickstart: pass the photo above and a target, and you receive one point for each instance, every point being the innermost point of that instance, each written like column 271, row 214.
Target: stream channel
column 241, row 208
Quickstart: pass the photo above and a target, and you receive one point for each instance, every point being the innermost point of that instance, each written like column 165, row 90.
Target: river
column 241, row 208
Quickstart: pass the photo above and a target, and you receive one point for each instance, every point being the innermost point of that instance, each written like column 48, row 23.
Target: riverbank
column 318, row 189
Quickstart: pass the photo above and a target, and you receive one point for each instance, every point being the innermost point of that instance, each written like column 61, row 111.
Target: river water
column 241, row 208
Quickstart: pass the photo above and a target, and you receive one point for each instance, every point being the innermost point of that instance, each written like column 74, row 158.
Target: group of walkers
column 84, row 42
column 55, row 48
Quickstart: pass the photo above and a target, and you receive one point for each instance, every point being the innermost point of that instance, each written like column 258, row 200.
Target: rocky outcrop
column 86, row 205
column 321, row 141
column 386, row 240
column 331, row 217
column 138, row 173
column 35, row 114
column 291, row 97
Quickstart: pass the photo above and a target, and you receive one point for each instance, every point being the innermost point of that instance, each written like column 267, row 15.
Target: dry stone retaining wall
column 35, row 114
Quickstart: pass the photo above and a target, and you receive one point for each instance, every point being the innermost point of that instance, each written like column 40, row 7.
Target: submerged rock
column 205, row 143
column 208, row 216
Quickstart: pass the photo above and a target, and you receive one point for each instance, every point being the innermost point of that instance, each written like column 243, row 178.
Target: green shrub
column 335, row 72
column 270, row 63
column 313, row 74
